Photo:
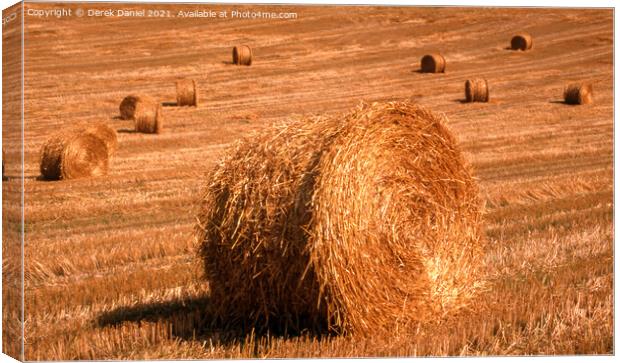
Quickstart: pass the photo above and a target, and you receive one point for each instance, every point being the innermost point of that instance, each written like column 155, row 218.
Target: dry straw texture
column 149, row 118
column 242, row 55
column 73, row 155
column 433, row 63
column 522, row 41
column 145, row 111
column 187, row 93
column 127, row 107
column 106, row 134
column 361, row 223
column 476, row 90
column 578, row 94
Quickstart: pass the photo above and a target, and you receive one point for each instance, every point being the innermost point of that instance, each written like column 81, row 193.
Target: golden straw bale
column 127, row 107
column 105, row 133
column 522, row 41
column 578, row 94
column 355, row 224
column 476, row 90
column 73, row 155
column 145, row 111
column 242, row 55
column 433, row 63
column 149, row 118
column 187, row 93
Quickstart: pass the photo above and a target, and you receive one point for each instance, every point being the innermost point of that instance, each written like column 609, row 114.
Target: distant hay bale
column 145, row 111
column 149, row 118
column 187, row 93
column 358, row 224
column 73, row 155
column 433, row 63
column 127, row 107
column 106, row 134
column 476, row 90
column 578, row 94
column 242, row 55
column 522, row 41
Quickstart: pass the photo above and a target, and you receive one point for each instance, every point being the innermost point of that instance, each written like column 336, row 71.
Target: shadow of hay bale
column 127, row 131
column 194, row 318
column 460, row 100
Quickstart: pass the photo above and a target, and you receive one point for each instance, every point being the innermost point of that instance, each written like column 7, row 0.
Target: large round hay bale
column 522, row 41
column 73, row 155
column 105, row 133
column 476, row 90
column 433, row 63
column 242, row 55
column 578, row 94
column 357, row 224
column 187, row 93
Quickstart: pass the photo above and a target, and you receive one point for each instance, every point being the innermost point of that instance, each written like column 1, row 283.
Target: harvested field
column 111, row 267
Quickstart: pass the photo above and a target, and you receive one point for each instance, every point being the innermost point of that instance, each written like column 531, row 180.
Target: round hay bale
column 149, row 118
column 130, row 103
column 433, row 63
column 145, row 111
column 128, row 106
column 242, row 55
column 105, row 133
column 73, row 155
column 578, row 94
column 476, row 90
column 522, row 41
column 354, row 224
column 187, row 93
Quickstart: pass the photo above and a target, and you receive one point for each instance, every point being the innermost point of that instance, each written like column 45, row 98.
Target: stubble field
column 110, row 267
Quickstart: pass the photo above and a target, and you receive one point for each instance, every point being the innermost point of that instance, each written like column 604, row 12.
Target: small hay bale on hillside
column 578, row 94
column 433, row 63
column 242, row 55
column 476, row 90
column 73, row 155
column 521, row 41
column 187, row 93
column 356, row 224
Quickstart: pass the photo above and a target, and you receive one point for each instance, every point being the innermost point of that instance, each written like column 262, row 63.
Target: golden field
column 110, row 265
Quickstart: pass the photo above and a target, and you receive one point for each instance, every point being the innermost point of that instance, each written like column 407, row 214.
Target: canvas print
column 214, row 181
